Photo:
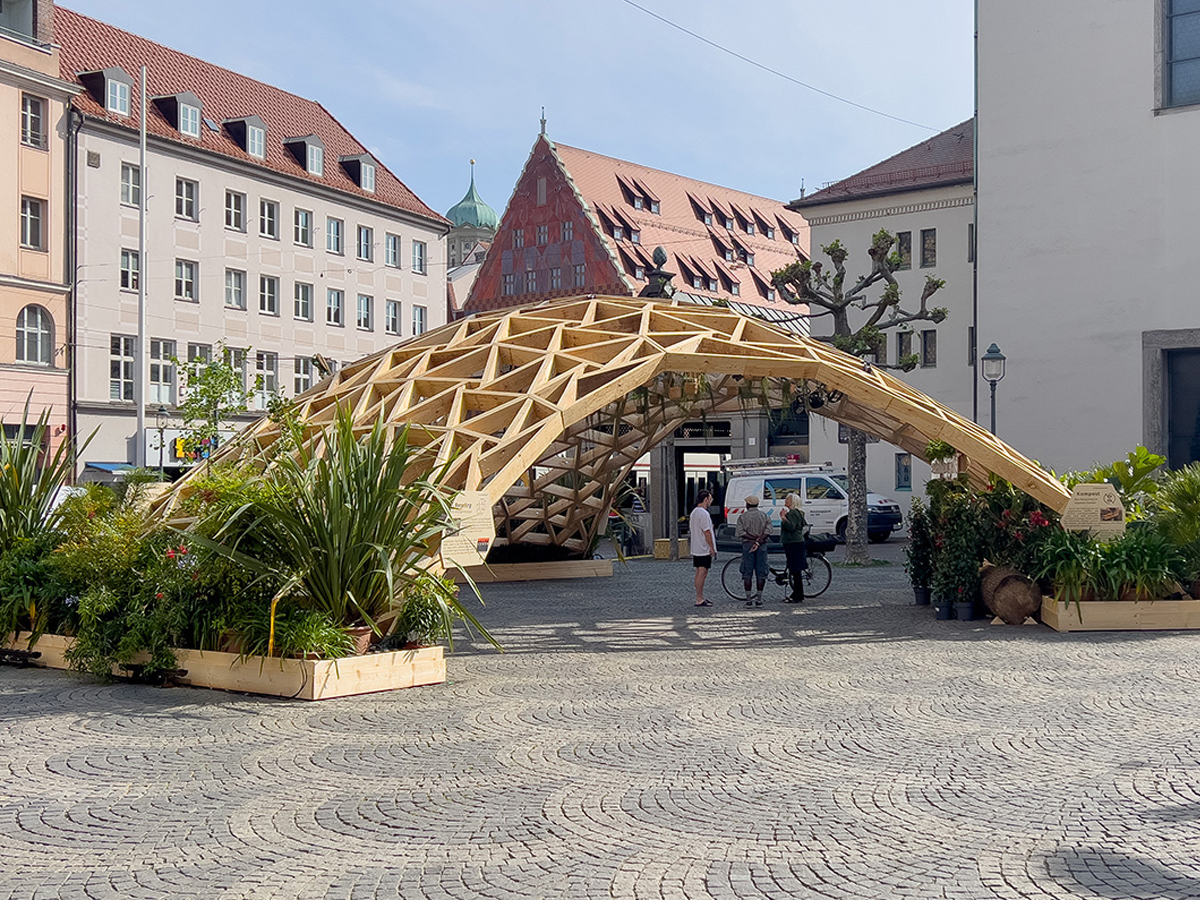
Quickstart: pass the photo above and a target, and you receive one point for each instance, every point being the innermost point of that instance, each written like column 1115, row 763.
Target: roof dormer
column 361, row 167
column 309, row 151
column 250, row 133
column 183, row 111
column 112, row 88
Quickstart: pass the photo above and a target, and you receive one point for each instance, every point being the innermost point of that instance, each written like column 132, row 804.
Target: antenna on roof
column 801, row 188
column 543, row 120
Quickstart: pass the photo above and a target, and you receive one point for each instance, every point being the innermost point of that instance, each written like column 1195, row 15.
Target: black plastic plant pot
column 944, row 610
column 965, row 612
column 922, row 595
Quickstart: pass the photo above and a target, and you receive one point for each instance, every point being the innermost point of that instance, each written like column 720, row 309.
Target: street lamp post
column 160, row 421
column 993, row 372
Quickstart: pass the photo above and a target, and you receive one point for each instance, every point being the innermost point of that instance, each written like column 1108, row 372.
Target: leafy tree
column 826, row 294
column 215, row 391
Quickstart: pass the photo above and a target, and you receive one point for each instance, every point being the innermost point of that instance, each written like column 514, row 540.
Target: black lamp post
column 993, row 372
column 160, row 421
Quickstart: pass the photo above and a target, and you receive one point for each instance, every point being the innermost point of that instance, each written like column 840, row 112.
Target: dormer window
column 189, row 120
column 728, row 224
column 256, row 142
column 618, row 233
column 635, row 236
column 118, row 98
column 654, row 207
column 308, row 151
column 638, row 203
column 770, row 233
column 749, row 228
column 361, row 169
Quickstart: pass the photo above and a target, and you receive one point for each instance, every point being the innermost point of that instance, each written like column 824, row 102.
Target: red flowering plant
column 1012, row 525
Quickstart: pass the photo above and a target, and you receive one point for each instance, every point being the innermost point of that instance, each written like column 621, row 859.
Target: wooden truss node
column 548, row 407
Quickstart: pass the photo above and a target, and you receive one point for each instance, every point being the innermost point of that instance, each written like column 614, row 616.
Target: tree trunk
column 856, row 477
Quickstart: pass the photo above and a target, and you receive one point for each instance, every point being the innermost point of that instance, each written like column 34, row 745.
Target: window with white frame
column 366, row 243
column 418, row 320
column 235, row 210
column 302, row 228
column 618, row 233
column 185, row 198
column 638, row 202
column 333, row 235
column 118, row 97
column 185, row 279
column 531, row 282
column 162, row 371
column 580, row 275
column 199, row 353
column 518, row 238
column 130, row 270
column 635, row 236
column 365, row 322
column 392, row 250
column 266, row 378
column 235, row 357
column 301, row 374
column 122, row 360
column 235, row 289
column 32, row 224
column 543, row 234
column 333, row 306
column 256, row 142
column 418, row 257
column 33, row 121
column 368, row 177
column 268, row 295
column 189, row 120
column 566, row 231
column 655, row 207
column 391, row 316
column 316, row 160
column 509, row 287
column 303, row 301
column 131, row 184
column 268, row 219
column 555, row 278
column 35, row 336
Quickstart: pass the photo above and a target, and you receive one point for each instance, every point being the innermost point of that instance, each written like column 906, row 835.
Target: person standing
column 754, row 530
column 702, row 543
column 791, row 532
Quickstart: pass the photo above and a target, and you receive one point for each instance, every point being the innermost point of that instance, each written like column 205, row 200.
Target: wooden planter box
column 300, row 679
column 544, row 571
column 1121, row 615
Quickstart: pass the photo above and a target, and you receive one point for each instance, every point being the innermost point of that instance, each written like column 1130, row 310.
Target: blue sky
column 429, row 84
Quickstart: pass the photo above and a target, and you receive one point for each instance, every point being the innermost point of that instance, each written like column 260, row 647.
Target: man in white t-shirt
column 702, row 543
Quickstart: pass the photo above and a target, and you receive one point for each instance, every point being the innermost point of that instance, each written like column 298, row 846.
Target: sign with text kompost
column 1095, row 508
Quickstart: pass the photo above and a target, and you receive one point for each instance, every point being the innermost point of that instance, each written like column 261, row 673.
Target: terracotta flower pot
column 361, row 635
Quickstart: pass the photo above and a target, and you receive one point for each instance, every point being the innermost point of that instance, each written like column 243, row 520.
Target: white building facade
column 277, row 236
column 1089, row 187
column 925, row 197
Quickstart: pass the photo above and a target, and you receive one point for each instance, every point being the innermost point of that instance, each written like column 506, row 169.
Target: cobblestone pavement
column 629, row 746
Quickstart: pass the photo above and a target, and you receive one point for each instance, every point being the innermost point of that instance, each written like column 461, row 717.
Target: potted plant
column 955, row 580
column 1065, row 561
column 919, row 552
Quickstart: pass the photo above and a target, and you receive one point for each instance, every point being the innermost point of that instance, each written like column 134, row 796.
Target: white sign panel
column 468, row 539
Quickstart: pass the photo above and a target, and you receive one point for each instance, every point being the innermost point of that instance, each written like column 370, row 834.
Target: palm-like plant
column 29, row 479
column 345, row 524
column 1177, row 513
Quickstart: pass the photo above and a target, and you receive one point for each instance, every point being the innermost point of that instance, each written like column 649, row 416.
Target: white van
column 822, row 488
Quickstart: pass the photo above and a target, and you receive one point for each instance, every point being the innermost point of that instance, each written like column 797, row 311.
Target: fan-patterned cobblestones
column 630, row 746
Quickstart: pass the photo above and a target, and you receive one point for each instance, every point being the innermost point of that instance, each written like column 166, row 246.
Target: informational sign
column 945, row 469
column 1096, row 508
column 470, row 535
column 844, row 435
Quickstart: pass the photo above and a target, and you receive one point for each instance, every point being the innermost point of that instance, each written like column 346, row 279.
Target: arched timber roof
column 582, row 388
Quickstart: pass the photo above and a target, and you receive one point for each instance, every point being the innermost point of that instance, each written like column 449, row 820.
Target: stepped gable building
column 34, row 244
column 579, row 222
column 925, row 196
column 271, row 229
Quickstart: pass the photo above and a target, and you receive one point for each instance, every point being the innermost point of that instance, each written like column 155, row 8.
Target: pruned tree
column 826, row 294
column 215, row 392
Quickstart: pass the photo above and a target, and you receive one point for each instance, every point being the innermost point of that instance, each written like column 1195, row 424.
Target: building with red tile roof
column 272, row 231
column 580, row 222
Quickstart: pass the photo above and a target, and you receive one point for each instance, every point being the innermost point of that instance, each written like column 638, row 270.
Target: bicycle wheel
column 731, row 578
column 817, row 576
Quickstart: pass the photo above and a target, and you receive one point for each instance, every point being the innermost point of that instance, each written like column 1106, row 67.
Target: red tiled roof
column 945, row 159
column 88, row 45
column 676, row 227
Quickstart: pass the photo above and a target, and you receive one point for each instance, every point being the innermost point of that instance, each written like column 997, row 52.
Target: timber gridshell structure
column 582, row 388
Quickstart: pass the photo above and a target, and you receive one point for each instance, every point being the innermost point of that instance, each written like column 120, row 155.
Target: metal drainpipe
column 71, row 275
column 975, row 236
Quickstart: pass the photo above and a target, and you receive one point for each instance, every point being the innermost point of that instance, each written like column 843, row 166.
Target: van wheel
column 841, row 531
column 878, row 537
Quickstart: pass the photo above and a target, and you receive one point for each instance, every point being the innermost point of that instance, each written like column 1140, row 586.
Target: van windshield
column 841, row 481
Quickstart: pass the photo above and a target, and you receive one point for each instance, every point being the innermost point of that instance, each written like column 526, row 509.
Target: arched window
column 35, row 336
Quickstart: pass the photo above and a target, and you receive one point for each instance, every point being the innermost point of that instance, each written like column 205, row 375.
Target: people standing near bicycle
column 754, row 530
column 702, row 543
column 791, row 532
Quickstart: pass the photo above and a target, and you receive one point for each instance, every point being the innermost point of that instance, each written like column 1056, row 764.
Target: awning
column 112, row 467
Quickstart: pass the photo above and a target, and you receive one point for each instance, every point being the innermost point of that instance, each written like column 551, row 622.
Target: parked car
column 823, row 490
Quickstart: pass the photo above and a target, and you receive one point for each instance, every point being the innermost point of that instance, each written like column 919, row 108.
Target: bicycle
column 817, row 576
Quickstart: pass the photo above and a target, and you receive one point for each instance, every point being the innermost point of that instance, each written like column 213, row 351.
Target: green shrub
column 1176, row 516
column 426, row 616
column 918, row 554
column 299, row 633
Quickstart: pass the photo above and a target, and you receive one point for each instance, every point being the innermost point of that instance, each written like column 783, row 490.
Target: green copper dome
column 471, row 210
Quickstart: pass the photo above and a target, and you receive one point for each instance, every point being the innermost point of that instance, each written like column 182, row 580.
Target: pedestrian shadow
column 1105, row 872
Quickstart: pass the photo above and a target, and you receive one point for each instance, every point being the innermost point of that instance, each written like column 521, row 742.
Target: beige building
column 1089, row 188
column 270, row 228
column 34, row 325
column 924, row 196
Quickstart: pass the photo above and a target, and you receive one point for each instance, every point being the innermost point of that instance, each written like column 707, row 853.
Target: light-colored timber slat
column 546, row 407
